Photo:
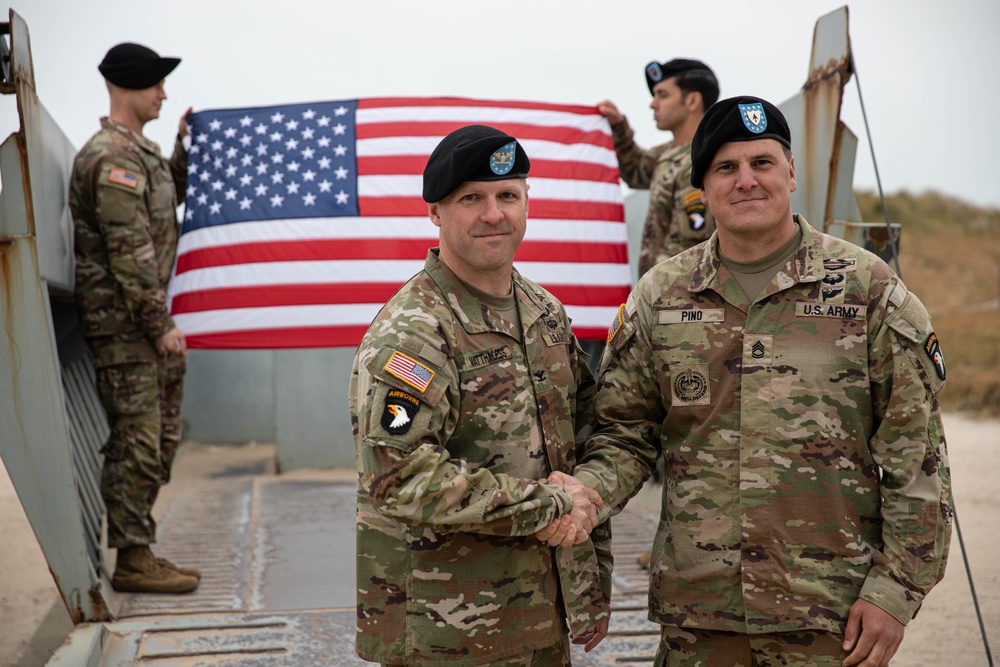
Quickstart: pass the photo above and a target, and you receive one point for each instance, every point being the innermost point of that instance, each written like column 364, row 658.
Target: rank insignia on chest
column 410, row 371
column 400, row 410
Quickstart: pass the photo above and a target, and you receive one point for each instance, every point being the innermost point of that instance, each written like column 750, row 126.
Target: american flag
column 123, row 177
column 410, row 371
column 302, row 220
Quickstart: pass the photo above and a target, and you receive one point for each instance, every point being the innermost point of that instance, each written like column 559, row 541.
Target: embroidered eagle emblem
column 399, row 416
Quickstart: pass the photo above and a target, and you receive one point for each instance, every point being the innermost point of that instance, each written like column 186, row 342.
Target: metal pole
column 895, row 257
column 972, row 587
column 878, row 179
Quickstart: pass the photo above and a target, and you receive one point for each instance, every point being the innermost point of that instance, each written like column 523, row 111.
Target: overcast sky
column 927, row 68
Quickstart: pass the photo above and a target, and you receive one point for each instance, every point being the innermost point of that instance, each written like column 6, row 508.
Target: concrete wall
column 294, row 398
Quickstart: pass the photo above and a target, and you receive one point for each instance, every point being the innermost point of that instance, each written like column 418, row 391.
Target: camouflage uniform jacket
column 804, row 452
column 123, row 197
column 676, row 218
column 449, row 572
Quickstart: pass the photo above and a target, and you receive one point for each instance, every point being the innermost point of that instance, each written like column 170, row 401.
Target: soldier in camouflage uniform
column 467, row 391
column 123, row 196
column 676, row 218
column 791, row 382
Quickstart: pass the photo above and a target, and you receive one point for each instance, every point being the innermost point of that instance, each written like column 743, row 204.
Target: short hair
column 702, row 81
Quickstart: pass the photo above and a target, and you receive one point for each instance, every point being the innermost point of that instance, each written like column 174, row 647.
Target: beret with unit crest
column 472, row 153
column 735, row 119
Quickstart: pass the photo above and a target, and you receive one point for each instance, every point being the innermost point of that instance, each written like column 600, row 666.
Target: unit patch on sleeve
column 123, row 177
column 695, row 210
column 933, row 349
column 616, row 325
column 410, row 371
column 400, row 409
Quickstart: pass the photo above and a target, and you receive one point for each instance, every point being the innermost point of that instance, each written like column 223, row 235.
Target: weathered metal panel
column 50, row 158
column 34, row 440
column 229, row 396
column 312, row 420
column 83, row 648
column 813, row 116
column 35, row 433
column 88, row 430
column 844, row 205
column 831, row 41
column 13, row 207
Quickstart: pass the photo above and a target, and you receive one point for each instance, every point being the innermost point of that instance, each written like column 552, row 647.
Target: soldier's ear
column 433, row 212
column 694, row 101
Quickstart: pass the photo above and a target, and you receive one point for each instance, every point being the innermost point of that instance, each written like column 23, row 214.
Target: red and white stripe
column 319, row 282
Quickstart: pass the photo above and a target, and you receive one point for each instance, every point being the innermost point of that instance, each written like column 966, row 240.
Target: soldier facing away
column 467, row 390
column 791, row 382
column 676, row 219
column 123, row 197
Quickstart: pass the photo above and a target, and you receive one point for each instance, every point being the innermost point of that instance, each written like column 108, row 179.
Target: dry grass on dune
column 950, row 257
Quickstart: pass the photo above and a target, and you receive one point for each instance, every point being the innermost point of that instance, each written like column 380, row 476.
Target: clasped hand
column 172, row 342
column 575, row 527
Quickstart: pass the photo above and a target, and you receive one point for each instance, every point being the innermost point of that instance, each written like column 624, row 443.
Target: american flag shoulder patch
column 410, row 371
column 129, row 179
column 616, row 325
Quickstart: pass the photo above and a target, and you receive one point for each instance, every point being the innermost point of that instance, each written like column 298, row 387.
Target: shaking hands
column 575, row 527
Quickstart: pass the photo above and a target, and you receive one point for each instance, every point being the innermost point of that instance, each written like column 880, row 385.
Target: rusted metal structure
column 825, row 148
column 51, row 424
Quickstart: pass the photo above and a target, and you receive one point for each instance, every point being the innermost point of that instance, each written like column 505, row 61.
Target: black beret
column 135, row 66
column 657, row 72
column 736, row 119
column 472, row 153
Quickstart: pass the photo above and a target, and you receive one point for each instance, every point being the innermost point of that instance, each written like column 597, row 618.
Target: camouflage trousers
column 689, row 647
column 557, row 655
column 141, row 394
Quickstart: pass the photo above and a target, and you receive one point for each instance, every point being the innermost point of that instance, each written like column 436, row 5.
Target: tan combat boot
column 139, row 571
column 188, row 571
column 643, row 560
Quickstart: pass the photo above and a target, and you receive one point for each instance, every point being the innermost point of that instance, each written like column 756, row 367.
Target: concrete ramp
column 278, row 573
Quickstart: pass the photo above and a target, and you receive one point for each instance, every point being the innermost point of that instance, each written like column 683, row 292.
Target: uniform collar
column 530, row 305
column 677, row 150
column 807, row 262
column 144, row 143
